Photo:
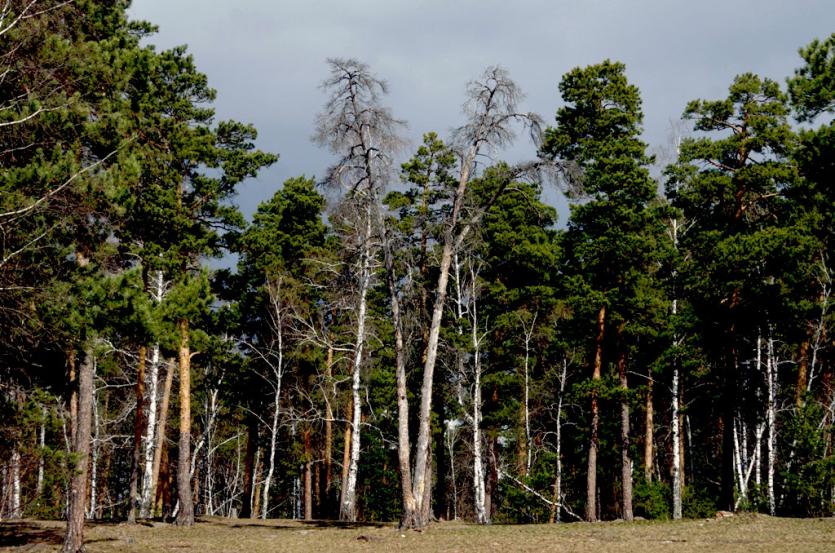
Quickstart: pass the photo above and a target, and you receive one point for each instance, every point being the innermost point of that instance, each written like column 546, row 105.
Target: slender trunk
column 41, row 453
column 161, row 447
column 249, row 467
column 328, row 453
column 677, row 464
column 308, row 476
column 94, row 452
column 479, row 476
column 408, row 518
column 451, row 446
column 16, row 511
column 72, row 380
column 150, row 473
column 556, row 504
column 802, row 373
column 346, row 450
column 74, row 537
column 185, row 517
column 649, row 430
column 256, row 492
column 527, row 413
column 626, row 460
column 348, row 507
column 138, row 422
column 265, row 500
column 771, row 375
column 591, row 477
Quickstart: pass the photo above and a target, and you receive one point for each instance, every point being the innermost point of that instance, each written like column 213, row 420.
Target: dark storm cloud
column 266, row 58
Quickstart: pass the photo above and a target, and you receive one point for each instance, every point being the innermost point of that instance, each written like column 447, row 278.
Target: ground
column 216, row 535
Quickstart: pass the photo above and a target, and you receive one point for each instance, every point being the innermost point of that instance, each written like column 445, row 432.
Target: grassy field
column 214, row 535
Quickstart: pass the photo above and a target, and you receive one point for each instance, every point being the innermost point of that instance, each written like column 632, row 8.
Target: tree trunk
column 249, row 467
column 328, row 445
column 94, row 453
column 161, row 446
column 16, row 511
column 41, row 453
column 676, row 439
column 408, row 518
column 626, row 460
column 591, row 475
column 802, row 373
column 138, row 422
column 308, row 477
column 346, row 450
column 72, row 381
column 185, row 516
column 151, row 460
column 348, row 507
column 556, row 504
column 265, row 500
column 771, row 375
column 74, row 537
column 649, row 430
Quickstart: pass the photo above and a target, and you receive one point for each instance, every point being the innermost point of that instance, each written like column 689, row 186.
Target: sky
column 266, row 59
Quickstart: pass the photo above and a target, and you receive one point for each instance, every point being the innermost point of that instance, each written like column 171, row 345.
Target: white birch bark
column 771, row 375
column 676, row 439
column 15, row 511
column 41, row 446
column 277, row 368
column 347, row 509
column 94, row 453
column 528, row 330
column 153, row 394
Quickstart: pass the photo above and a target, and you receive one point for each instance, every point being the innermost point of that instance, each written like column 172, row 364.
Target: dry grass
column 214, row 535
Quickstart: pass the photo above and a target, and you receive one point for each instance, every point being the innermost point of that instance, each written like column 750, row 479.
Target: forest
column 413, row 335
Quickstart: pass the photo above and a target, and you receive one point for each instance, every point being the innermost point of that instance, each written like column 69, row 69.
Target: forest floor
column 217, row 535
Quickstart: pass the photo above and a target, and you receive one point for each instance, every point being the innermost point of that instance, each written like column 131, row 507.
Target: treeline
column 406, row 342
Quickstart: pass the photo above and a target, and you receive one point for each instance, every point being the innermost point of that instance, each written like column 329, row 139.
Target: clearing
column 215, row 535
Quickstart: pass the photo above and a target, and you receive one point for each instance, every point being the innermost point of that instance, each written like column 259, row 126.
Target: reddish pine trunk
column 138, row 423
column 185, row 517
column 74, row 537
column 591, row 476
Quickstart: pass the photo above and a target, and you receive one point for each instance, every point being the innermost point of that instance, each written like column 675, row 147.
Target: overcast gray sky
column 267, row 58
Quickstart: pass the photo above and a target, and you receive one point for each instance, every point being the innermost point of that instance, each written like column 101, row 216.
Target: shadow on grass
column 18, row 534
column 275, row 524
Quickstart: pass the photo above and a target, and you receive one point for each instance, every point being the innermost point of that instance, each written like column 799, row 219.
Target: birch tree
column 355, row 126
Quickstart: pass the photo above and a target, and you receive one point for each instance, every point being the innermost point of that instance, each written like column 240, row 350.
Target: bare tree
column 492, row 112
column 355, row 126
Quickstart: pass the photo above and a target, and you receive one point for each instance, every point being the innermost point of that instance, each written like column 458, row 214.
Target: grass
column 216, row 535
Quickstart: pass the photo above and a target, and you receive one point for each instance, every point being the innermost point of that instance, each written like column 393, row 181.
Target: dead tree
column 492, row 112
column 355, row 126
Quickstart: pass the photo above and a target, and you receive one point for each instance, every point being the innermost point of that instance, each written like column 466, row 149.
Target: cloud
column 266, row 59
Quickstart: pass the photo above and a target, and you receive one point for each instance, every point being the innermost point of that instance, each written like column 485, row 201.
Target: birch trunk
column 771, row 375
column 16, row 511
column 556, row 504
column 74, row 537
column 42, row 446
column 138, row 422
column 482, row 513
column 149, row 475
column 591, row 475
column 265, row 500
column 348, row 508
column 94, row 461
column 676, row 438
